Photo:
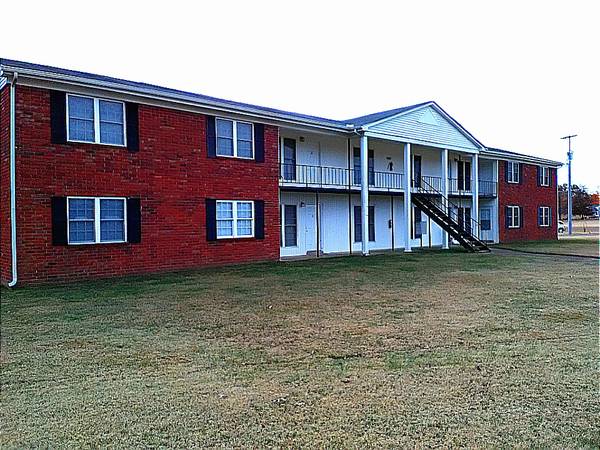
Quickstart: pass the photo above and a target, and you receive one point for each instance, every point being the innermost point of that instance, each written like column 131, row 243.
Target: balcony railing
column 323, row 176
column 464, row 186
column 336, row 177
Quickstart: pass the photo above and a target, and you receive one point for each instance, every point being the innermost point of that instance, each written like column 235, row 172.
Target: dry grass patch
column 428, row 349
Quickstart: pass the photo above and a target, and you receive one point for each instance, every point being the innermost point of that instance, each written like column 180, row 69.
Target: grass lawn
column 588, row 246
column 428, row 349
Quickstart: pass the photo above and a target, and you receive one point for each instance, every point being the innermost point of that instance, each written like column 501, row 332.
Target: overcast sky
column 518, row 75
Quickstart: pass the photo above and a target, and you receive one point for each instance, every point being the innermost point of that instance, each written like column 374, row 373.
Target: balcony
column 297, row 175
column 460, row 186
column 336, row 178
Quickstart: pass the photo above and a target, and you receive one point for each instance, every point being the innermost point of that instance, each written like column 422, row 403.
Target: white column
column 364, row 192
column 407, row 195
column 445, row 238
column 475, row 191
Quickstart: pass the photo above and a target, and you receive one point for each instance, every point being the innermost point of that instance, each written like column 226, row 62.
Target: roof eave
column 520, row 157
column 8, row 71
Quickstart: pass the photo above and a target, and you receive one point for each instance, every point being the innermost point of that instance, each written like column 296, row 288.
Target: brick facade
column 530, row 197
column 172, row 175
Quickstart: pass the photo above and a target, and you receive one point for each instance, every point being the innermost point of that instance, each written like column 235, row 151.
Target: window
column 93, row 220
column 94, row 120
column 235, row 139
column 370, row 164
column 513, row 172
column 289, row 159
column 544, row 216
column 417, row 223
column 544, row 176
column 513, row 217
column 235, row 219
column 486, row 219
column 358, row 224
column 290, row 226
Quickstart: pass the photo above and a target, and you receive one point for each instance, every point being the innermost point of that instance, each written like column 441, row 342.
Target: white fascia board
column 149, row 96
column 402, row 139
column 490, row 154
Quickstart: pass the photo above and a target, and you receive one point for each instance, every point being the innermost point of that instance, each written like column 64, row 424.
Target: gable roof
column 57, row 74
column 508, row 154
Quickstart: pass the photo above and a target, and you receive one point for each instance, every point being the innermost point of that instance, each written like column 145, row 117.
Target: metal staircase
column 443, row 212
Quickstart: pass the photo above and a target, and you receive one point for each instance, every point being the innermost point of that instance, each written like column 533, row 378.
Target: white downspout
column 13, row 194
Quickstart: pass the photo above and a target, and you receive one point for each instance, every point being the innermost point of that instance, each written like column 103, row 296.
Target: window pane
column 224, row 210
column 81, row 209
column 111, row 111
column 244, row 131
column 224, row 128
column 224, row 228
column 112, row 209
column 81, row 231
column 244, row 149
column 244, row 227
column 224, row 146
column 290, row 224
column 81, row 108
column 111, row 133
column 81, row 130
column 244, row 210
column 112, row 230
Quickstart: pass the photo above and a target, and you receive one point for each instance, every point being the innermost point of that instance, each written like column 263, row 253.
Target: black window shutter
column 58, row 117
column 211, row 219
column 506, row 216
column 259, row 219
column 134, row 220
column 133, row 127
column 357, row 224
column 521, row 218
column 506, row 171
column 550, row 216
column 539, row 175
column 211, row 137
column 59, row 220
column 259, row 142
column 540, row 215
column 520, row 173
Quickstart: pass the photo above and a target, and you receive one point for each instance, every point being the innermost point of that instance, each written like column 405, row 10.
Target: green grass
column 428, row 349
column 569, row 246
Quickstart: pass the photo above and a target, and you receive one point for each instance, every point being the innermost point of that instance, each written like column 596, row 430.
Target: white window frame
column 545, row 216
column 514, row 176
column 283, row 227
column 545, row 180
column 235, row 219
column 235, row 149
column 514, row 223
column 97, row 121
column 97, row 220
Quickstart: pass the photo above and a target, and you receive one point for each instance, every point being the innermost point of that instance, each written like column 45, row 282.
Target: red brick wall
column 530, row 197
column 171, row 174
column 5, row 253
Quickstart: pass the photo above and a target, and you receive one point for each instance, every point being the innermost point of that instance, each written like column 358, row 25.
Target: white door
column 485, row 222
column 310, row 228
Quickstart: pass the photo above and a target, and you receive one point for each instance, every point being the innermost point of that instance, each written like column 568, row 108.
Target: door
column 310, row 228
column 464, row 176
column 485, row 222
column 417, row 163
column 464, row 218
column 288, row 169
column 357, row 168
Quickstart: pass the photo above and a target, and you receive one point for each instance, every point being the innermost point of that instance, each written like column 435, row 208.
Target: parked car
column 561, row 227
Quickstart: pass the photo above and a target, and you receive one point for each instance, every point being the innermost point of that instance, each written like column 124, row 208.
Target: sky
column 518, row 75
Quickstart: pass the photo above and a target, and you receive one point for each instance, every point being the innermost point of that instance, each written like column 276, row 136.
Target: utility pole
column 570, row 192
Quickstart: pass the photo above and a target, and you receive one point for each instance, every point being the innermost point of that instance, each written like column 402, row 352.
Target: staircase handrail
column 430, row 188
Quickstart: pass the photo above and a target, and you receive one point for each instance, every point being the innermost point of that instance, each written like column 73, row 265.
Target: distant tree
column 582, row 200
